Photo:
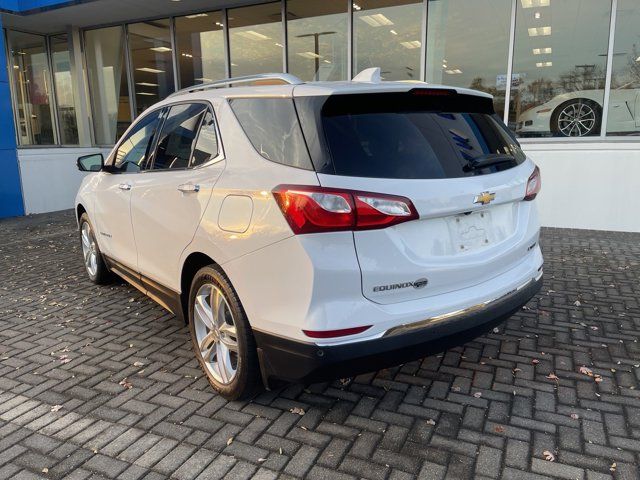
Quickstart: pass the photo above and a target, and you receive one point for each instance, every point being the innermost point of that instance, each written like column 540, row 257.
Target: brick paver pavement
column 69, row 350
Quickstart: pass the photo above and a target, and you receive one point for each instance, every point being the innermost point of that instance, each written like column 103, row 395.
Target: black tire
column 246, row 382
column 102, row 275
column 555, row 117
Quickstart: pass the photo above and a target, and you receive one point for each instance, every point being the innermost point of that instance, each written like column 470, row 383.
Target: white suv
column 311, row 231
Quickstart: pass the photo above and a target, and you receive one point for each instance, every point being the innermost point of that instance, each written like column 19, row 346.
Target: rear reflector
column 335, row 333
column 312, row 209
column 533, row 185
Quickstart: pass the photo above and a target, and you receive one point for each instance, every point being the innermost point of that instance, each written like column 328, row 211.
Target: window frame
column 165, row 107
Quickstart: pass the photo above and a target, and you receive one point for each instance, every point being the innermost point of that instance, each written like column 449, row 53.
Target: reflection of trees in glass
column 478, row 84
column 583, row 77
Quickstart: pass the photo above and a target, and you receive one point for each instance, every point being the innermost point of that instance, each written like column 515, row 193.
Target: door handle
column 124, row 186
column 189, row 188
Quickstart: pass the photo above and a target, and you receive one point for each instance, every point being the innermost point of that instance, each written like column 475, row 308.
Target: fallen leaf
column 260, row 460
column 45, row 470
column 535, row 361
column 280, row 450
column 138, row 364
column 431, row 421
column 496, row 330
column 586, row 371
column 455, row 388
column 613, row 467
column 297, row 411
column 553, row 376
column 549, row 456
column 126, row 383
column 577, row 303
column 575, row 416
column 598, row 378
column 498, row 429
column 55, row 408
column 230, row 441
column 477, row 394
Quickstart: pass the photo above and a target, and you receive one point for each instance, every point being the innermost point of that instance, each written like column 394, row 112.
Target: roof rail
column 285, row 77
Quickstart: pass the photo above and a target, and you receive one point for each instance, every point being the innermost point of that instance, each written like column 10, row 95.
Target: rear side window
column 178, row 136
column 415, row 136
column 207, row 145
column 271, row 124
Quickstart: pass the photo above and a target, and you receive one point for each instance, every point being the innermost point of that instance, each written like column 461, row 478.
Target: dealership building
column 565, row 76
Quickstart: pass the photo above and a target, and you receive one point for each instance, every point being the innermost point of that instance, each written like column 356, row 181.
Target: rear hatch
column 453, row 158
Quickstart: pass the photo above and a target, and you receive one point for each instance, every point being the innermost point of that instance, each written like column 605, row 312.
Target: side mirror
column 91, row 163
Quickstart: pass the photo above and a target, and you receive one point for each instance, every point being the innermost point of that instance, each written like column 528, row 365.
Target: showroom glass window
column 151, row 62
column 63, row 81
column 255, row 37
column 387, row 34
column 200, row 48
column 317, row 36
column 107, row 77
column 559, row 67
column 33, row 90
column 624, row 96
column 461, row 53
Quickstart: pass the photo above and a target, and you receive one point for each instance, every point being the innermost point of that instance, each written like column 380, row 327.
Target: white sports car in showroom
column 579, row 114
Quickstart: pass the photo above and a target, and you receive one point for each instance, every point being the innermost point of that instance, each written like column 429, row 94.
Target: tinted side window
column 207, row 143
column 178, row 136
column 133, row 151
column 273, row 129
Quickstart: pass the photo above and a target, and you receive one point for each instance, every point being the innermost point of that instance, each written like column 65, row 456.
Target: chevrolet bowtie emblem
column 485, row 198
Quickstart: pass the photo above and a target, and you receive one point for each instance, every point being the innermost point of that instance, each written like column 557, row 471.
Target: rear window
column 272, row 126
column 414, row 135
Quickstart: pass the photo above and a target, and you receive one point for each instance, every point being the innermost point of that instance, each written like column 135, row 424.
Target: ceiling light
column 326, row 61
column 453, row 71
column 412, row 44
column 544, row 64
column 542, row 51
column 539, row 31
column 638, row 59
column 376, row 20
column 279, row 45
column 197, row 15
column 393, row 32
column 147, row 84
column 160, row 49
column 308, row 55
column 149, row 70
column 220, row 24
column 203, row 79
column 537, row 15
column 357, row 7
column 146, row 93
column 252, row 35
column 535, row 3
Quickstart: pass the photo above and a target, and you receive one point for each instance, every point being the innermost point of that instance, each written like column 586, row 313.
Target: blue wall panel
column 11, row 204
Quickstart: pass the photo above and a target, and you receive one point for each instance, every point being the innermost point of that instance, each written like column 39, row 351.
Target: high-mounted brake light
column 335, row 333
column 533, row 185
column 432, row 92
column 312, row 209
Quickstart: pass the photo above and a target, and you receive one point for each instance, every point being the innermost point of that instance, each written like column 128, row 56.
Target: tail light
column 533, row 185
column 311, row 209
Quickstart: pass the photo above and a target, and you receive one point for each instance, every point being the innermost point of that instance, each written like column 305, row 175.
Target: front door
column 169, row 199
column 113, row 192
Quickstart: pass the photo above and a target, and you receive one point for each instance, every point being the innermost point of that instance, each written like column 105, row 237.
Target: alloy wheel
column 577, row 120
column 216, row 333
column 89, row 250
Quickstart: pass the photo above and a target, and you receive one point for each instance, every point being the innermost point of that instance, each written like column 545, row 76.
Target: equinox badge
column 417, row 284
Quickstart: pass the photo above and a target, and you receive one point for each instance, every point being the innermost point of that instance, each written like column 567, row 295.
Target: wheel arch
column 194, row 262
column 80, row 209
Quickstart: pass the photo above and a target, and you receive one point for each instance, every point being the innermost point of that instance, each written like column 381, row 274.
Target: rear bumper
column 293, row 361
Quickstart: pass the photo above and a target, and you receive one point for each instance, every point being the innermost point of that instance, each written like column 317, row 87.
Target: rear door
column 169, row 199
column 473, row 223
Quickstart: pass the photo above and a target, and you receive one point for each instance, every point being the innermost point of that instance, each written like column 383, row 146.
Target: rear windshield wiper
column 489, row 160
